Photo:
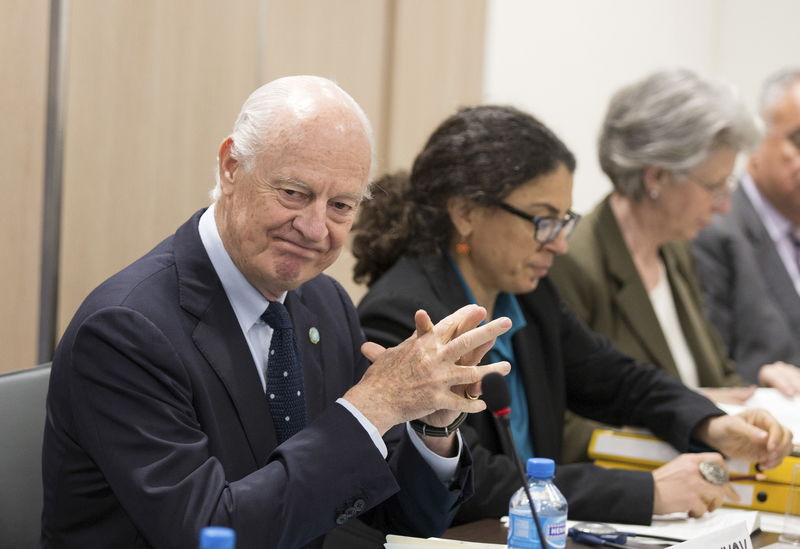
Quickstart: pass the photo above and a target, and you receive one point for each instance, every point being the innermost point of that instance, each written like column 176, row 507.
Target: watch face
column 595, row 528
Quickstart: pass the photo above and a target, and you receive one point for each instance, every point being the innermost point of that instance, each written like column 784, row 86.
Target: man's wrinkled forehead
column 315, row 143
column 304, row 104
column 325, row 104
column 313, row 119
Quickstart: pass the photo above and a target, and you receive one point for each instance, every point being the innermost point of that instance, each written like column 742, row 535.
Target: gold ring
column 471, row 397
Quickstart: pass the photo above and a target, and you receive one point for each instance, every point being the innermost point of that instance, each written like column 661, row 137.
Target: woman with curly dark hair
column 479, row 219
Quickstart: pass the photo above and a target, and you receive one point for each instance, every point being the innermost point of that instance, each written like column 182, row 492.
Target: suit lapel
column 756, row 233
column 540, row 369
column 693, row 324
column 304, row 320
column 446, row 284
column 777, row 280
column 449, row 292
column 219, row 338
column 537, row 361
column 629, row 294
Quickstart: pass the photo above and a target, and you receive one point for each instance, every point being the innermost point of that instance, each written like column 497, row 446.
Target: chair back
column 22, row 415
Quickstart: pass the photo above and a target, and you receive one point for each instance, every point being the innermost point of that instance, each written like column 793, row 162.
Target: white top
column 778, row 228
column 664, row 306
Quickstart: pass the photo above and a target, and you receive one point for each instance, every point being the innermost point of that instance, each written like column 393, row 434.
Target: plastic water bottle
column 217, row 537
column 551, row 507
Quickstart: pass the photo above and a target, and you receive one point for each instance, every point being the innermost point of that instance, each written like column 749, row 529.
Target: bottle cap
column 541, row 468
column 217, row 537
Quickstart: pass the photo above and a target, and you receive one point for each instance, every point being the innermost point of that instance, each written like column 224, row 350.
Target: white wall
column 563, row 60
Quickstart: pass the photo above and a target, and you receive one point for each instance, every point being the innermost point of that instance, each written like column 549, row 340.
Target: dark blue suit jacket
column 751, row 298
column 157, row 424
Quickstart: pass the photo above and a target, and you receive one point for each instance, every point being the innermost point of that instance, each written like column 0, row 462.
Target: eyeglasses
column 719, row 191
column 546, row 228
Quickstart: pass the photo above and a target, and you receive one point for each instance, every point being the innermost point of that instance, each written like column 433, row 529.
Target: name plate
column 736, row 536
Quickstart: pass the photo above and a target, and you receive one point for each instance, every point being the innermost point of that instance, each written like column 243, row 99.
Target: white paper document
column 772, row 522
column 402, row 542
column 680, row 526
column 734, row 536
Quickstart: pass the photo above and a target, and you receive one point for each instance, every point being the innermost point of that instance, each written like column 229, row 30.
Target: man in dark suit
column 749, row 260
column 221, row 379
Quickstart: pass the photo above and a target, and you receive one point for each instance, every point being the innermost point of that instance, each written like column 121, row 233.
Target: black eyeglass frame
column 544, row 232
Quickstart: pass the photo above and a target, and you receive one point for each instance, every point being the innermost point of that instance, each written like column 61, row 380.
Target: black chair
column 22, row 415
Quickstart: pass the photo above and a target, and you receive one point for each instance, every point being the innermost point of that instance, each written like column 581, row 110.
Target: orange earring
column 463, row 248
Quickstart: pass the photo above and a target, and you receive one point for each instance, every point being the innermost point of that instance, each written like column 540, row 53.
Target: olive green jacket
column 599, row 280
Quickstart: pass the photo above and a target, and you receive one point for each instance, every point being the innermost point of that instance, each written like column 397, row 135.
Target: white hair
column 673, row 119
column 267, row 105
column 773, row 90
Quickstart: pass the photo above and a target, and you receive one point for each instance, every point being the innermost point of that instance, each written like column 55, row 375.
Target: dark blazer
column 750, row 296
column 563, row 365
column 157, row 424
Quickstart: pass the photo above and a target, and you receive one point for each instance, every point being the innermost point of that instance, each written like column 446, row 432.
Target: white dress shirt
column 248, row 305
column 664, row 306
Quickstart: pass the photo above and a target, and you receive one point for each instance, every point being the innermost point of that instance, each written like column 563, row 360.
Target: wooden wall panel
column 23, row 71
column 153, row 87
column 409, row 63
column 437, row 66
column 347, row 42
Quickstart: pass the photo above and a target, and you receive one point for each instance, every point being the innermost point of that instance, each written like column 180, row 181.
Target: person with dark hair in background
column 222, row 380
column 748, row 260
column 479, row 219
column 668, row 144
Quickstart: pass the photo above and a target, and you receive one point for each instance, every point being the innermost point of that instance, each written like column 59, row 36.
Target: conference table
column 492, row 531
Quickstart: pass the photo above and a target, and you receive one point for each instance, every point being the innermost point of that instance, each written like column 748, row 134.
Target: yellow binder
column 630, row 447
column 781, row 474
column 645, row 449
column 756, row 495
column 644, row 452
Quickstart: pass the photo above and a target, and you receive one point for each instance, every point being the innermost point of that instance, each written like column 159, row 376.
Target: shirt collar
column 776, row 224
column 247, row 302
column 506, row 304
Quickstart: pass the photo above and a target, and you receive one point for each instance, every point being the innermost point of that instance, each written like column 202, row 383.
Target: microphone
column 498, row 401
column 496, row 395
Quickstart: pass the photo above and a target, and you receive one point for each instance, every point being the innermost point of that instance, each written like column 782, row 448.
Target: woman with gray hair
column 668, row 144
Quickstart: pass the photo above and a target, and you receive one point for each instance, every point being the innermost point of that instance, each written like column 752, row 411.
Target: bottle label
column 522, row 532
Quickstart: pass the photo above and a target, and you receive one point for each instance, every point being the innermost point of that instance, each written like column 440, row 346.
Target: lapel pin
column 313, row 335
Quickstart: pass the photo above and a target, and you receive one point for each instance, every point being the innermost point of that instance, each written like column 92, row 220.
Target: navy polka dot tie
column 285, row 393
